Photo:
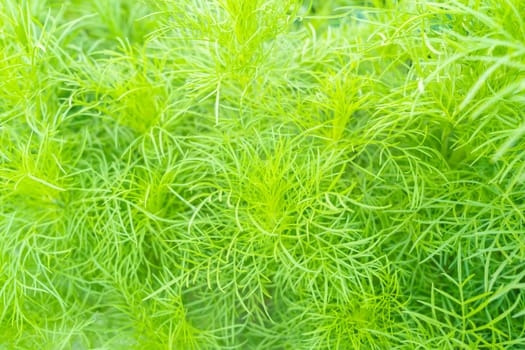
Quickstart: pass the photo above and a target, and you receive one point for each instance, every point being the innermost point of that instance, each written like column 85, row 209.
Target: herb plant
column 262, row 174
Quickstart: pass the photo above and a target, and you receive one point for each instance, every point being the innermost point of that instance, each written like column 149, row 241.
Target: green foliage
column 249, row 174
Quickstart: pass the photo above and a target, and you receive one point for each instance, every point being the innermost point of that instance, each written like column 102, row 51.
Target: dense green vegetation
column 262, row 174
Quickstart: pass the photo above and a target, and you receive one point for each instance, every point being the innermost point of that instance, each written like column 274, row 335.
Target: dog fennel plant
column 249, row 174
